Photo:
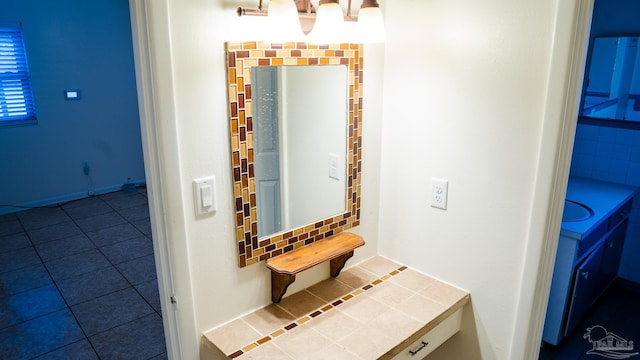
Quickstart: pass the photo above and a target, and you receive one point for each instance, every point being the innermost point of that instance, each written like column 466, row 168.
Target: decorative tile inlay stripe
column 241, row 57
column 314, row 314
column 264, row 340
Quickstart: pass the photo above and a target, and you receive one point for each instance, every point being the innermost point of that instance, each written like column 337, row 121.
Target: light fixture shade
column 329, row 26
column 283, row 22
column 371, row 25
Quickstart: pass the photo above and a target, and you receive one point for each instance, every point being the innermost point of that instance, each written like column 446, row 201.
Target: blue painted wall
column 608, row 153
column 73, row 44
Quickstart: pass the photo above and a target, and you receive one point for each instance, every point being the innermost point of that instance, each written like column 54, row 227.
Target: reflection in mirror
column 300, row 138
column 296, row 143
column 613, row 82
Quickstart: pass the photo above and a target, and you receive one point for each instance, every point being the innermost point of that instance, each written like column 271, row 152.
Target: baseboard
column 64, row 198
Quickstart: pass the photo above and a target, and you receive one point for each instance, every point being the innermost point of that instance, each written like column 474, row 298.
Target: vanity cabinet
column 586, row 264
column 594, row 275
column 585, row 287
column 612, row 252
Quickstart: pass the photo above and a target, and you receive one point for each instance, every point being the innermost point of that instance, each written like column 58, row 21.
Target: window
column 16, row 98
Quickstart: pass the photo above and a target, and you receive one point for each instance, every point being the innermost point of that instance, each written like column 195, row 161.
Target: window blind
column 16, row 96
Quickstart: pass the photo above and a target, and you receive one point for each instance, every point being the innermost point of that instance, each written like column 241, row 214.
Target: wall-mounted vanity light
column 299, row 20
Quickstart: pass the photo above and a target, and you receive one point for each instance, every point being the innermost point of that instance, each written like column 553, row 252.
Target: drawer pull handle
column 422, row 346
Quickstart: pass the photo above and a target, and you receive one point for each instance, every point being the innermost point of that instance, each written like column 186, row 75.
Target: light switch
column 205, row 194
column 204, row 191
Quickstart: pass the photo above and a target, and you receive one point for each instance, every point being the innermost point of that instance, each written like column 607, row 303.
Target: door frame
column 153, row 169
column 557, row 139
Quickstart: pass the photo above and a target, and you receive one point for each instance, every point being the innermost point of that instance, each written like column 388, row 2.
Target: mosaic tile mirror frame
column 241, row 57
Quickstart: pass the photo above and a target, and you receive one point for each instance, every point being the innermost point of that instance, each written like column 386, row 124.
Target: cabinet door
column 585, row 288
column 613, row 245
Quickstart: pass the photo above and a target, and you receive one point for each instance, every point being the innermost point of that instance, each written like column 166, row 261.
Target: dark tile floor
column 78, row 281
column 618, row 311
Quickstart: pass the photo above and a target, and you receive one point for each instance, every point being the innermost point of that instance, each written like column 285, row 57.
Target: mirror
column 300, row 138
column 295, row 130
column 613, row 81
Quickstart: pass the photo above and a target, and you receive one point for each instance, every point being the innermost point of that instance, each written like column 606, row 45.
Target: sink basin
column 574, row 211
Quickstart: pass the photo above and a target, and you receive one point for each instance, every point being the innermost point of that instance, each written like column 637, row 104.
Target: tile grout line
column 55, row 284
column 131, row 285
column 83, row 232
column 314, row 314
column 143, row 234
column 32, row 244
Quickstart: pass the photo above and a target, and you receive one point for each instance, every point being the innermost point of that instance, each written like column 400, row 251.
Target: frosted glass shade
column 283, row 22
column 329, row 26
column 371, row 26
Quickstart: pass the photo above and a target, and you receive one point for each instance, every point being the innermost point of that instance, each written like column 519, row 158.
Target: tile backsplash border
column 241, row 56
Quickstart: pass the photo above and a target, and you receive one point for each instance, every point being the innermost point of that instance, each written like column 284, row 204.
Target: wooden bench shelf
column 338, row 249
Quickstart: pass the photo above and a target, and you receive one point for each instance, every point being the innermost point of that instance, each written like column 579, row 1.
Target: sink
column 574, row 211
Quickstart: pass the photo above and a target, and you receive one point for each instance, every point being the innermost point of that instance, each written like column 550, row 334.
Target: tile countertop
column 365, row 313
column 602, row 197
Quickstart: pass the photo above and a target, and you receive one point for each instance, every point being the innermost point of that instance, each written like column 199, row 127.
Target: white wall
column 476, row 108
column 471, row 93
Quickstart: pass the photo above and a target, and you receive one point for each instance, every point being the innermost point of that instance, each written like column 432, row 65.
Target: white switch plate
column 204, row 195
column 439, row 192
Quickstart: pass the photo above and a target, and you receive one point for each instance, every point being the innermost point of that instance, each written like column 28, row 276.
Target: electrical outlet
column 85, row 168
column 439, row 193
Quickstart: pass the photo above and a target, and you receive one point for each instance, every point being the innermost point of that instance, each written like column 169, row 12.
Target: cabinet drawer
column 431, row 340
column 586, row 244
column 620, row 214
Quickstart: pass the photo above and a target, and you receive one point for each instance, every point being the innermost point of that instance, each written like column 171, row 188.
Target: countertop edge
column 582, row 190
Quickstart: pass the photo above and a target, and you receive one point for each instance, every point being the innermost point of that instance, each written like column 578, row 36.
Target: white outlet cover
column 439, row 193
